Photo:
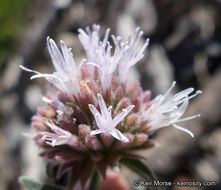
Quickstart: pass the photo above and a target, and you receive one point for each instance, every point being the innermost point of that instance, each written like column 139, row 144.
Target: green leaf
column 140, row 168
column 37, row 185
column 94, row 184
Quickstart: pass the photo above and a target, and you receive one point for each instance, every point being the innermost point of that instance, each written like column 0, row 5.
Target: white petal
column 157, row 102
column 44, row 75
column 96, row 65
column 80, row 65
column 121, row 115
column 57, row 129
column 57, row 58
column 182, row 94
column 118, row 135
column 28, row 70
column 109, row 109
column 97, row 116
column 69, row 61
column 179, row 111
column 106, row 36
column 194, row 95
column 144, row 46
column 188, row 118
column 103, row 107
column 169, row 90
column 159, row 121
column 93, row 110
column 131, row 54
column 38, row 75
column 95, row 132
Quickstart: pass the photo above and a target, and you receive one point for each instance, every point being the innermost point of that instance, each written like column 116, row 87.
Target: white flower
column 65, row 77
column 126, row 54
column 104, row 120
column 59, row 137
column 132, row 53
column 106, row 64
column 168, row 111
column 63, row 112
column 58, row 104
column 99, row 53
column 91, row 40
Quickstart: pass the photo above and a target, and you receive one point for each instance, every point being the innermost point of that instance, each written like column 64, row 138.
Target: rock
column 144, row 14
column 159, row 69
column 33, row 97
column 33, row 164
column 12, row 69
column 206, row 170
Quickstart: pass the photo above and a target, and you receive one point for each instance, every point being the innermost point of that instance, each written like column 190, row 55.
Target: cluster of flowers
column 97, row 115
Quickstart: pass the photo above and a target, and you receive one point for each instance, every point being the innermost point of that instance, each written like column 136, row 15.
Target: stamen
column 169, row 90
column 183, row 129
column 194, row 95
column 188, row 118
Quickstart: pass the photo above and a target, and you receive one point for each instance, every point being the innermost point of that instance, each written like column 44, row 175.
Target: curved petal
column 184, row 129
column 57, row 58
column 182, row 94
column 95, row 132
column 103, row 107
column 94, row 110
column 28, row 70
column 118, row 135
column 121, row 115
column 179, row 111
column 68, row 58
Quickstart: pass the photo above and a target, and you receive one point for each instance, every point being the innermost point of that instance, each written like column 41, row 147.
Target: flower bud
column 145, row 127
column 37, row 123
column 119, row 145
column 93, row 143
column 63, row 97
column 146, row 95
column 84, row 130
column 107, row 139
column 132, row 87
column 114, row 83
column 86, row 95
column 137, row 104
column 92, row 85
column 132, row 119
column 40, row 126
column 96, row 156
column 119, row 93
column 136, row 93
column 148, row 144
column 140, row 139
column 85, row 72
column 148, row 104
column 45, row 112
column 122, row 104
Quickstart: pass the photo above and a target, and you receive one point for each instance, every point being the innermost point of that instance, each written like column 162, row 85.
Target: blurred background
column 185, row 45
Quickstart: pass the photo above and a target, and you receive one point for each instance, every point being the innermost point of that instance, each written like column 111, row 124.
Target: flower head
column 99, row 54
column 91, row 41
column 126, row 54
column 131, row 53
column 167, row 111
column 98, row 116
column 65, row 78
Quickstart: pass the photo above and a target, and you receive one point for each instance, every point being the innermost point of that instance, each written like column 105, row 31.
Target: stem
column 94, row 184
